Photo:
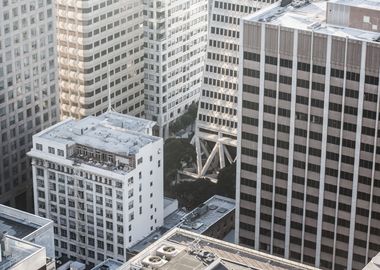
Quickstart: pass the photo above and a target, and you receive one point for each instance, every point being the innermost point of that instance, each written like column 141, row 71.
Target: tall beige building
column 309, row 154
column 100, row 48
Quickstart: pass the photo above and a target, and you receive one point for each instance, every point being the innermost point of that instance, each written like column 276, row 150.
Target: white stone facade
column 101, row 180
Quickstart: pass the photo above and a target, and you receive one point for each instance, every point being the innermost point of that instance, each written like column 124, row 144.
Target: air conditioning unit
column 154, row 261
column 168, row 251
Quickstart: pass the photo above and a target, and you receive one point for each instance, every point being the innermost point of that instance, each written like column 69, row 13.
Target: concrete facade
column 308, row 157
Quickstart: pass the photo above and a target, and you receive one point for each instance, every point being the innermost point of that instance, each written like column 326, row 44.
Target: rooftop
column 108, row 264
column 15, row 228
column 174, row 219
column 170, row 222
column 19, row 224
column 112, row 132
column 208, row 213
column 311, row 16
column 16, row 252
column 180, row 249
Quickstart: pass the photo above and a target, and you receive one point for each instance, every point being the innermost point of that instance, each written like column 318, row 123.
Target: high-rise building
column 28, row 91
column 100, row 179
column 216, row 126
column 308, row 156
column 100, row 49
column 175, row 45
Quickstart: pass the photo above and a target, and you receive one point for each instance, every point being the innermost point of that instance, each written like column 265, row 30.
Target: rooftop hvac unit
column 168, row 251
column 154, row 261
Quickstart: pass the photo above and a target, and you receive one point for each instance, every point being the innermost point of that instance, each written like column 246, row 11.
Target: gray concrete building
column 309, row 160
column 28, row 91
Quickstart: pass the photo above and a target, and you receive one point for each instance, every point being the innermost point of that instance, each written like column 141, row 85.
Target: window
column 60, row 152
column 51, row 150
column 39, row 146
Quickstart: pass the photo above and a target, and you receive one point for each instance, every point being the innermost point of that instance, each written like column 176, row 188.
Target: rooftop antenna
column 109, row 89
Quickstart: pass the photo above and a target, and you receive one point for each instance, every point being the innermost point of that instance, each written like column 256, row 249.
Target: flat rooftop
column 108, row 264
column 170, row 222
column 180, row 249
column 174, row 219
column 311, row 16
column 19, row 250
column 16, row 228
column 112, row 132
column 207, row 214
column 19, row 224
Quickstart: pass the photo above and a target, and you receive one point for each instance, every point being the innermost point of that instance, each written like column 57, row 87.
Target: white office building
column 100, row 43
column 175, row 39
column 100, row 179
column 28, row 91
column 216, row 130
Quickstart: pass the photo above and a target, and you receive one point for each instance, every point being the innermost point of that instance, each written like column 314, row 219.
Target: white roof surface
column 218, row 207
column 111, row 132
column 312, row 17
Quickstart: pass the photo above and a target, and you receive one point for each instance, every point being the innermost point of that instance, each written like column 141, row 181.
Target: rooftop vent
column 212, row 206
column 154, row 261
column 168, row 251
column 284, row 3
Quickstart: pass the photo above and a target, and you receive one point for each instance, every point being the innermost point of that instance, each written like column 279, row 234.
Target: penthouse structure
column 100, row 50
column 175, row 37
column 216, row 125
column 308, row 169
column 99, row 179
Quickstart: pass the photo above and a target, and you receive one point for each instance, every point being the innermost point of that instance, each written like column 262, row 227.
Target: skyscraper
column 309, row 160
column 28, row 91
column 175, row 45
column 100, row 179
column 216, row 126
column 100, row 49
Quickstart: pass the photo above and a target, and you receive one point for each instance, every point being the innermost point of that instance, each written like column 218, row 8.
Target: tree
column 227, row 181
column 176, row 151
column 186, row 119
column 191, row 194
